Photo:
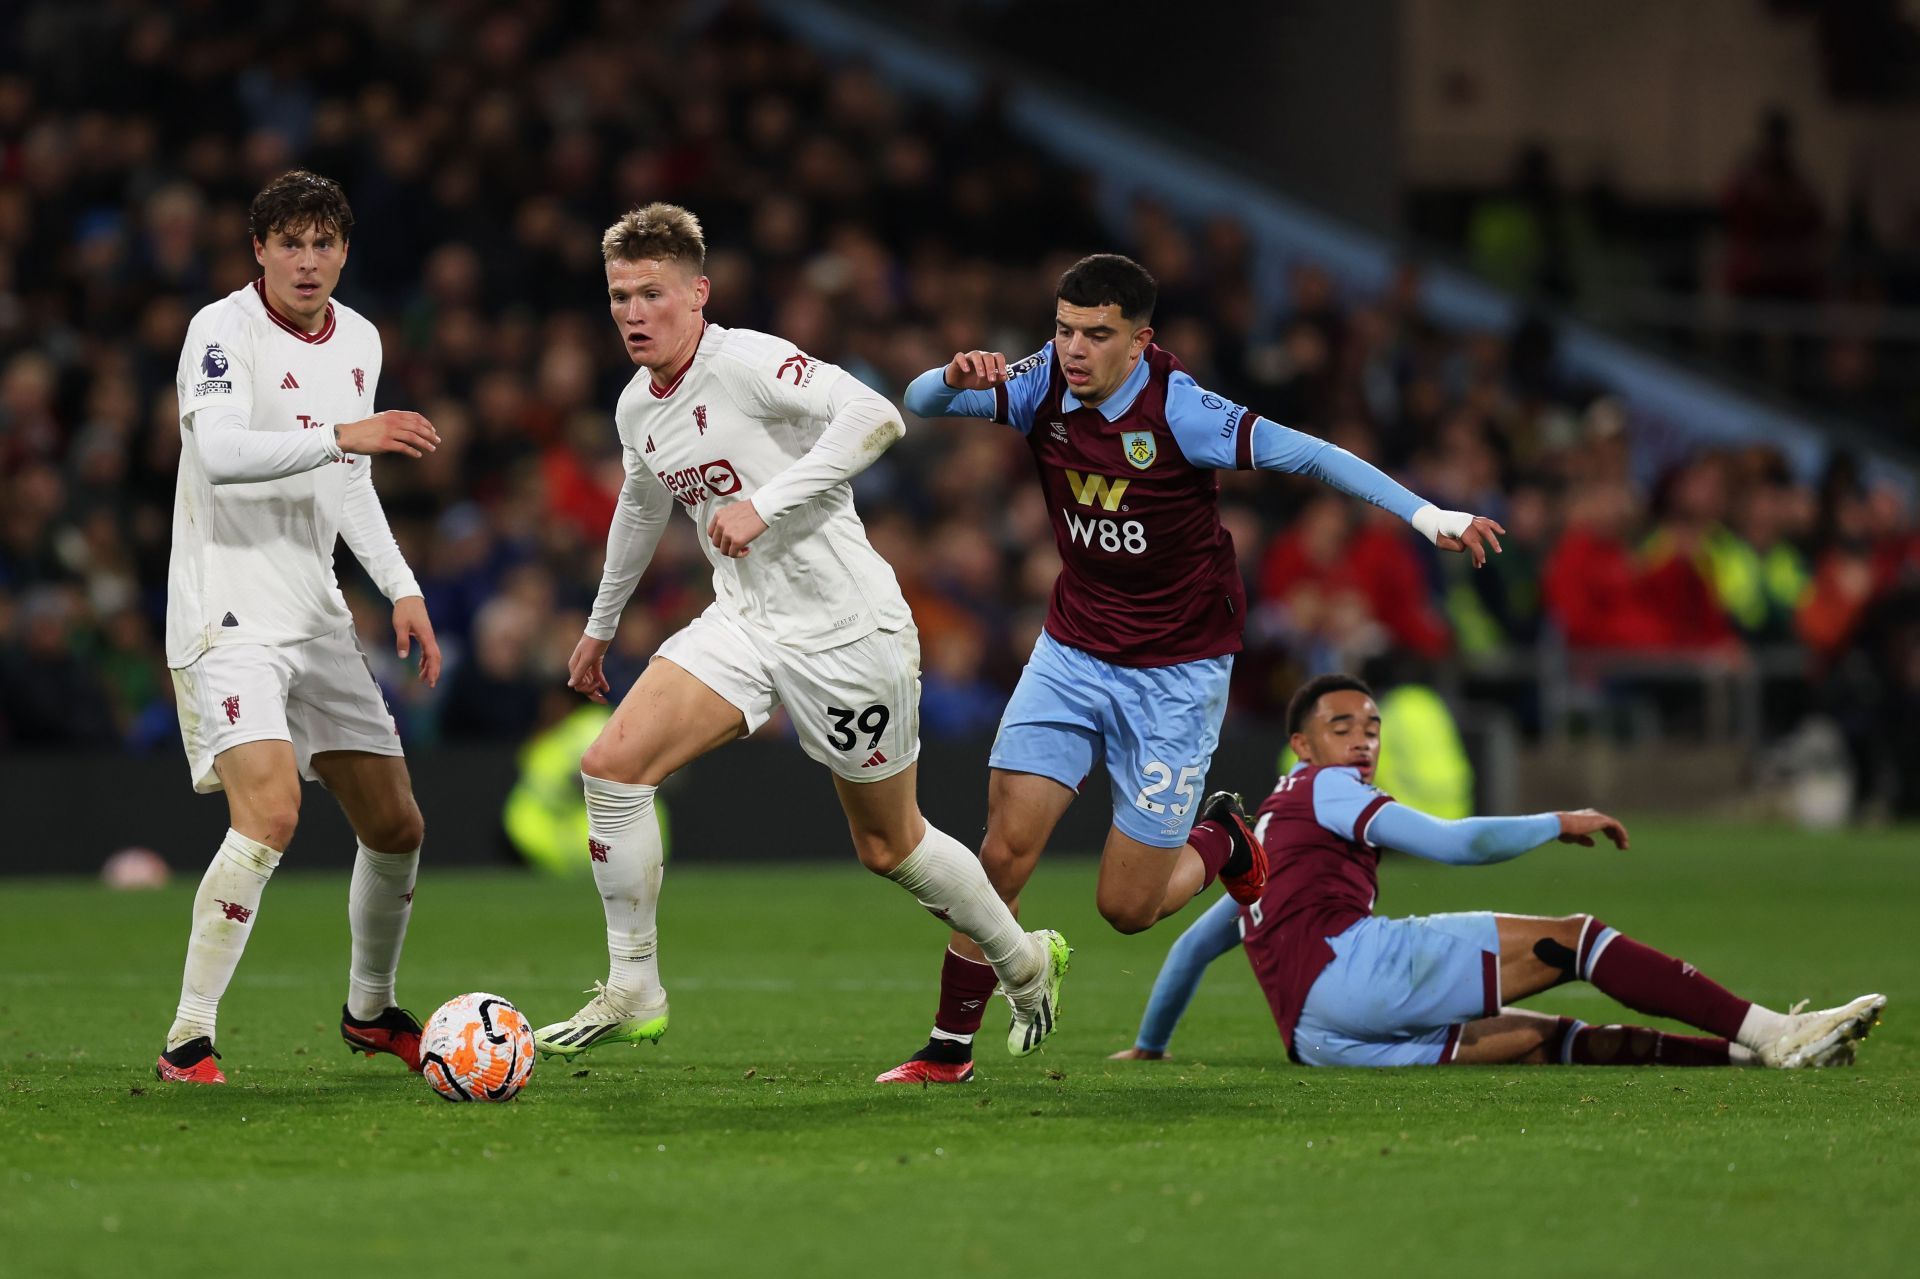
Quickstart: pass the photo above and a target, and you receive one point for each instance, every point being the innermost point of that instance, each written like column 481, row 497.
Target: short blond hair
column 660, row 232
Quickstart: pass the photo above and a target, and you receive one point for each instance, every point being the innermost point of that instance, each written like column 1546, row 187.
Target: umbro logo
column 874, row 760
column 288, row 384
column 1059, row 430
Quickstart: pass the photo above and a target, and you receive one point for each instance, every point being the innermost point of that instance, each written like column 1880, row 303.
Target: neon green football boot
column 600, row 1022
column 1036, row 1005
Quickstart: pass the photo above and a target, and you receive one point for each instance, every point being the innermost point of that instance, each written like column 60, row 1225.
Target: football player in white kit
column 276, row 387
column 757, row 440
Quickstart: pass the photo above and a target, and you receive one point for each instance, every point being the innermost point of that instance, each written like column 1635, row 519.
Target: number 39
column 872, row 720
column 1159, row 777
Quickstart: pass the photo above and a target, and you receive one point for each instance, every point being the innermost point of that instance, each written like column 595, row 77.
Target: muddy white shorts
column 856, row 708
column 319, row 694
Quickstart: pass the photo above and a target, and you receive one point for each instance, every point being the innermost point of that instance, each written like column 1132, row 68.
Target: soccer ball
column 477, row 1047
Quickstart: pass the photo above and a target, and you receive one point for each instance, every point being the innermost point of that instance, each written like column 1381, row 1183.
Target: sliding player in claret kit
column 1352, row 988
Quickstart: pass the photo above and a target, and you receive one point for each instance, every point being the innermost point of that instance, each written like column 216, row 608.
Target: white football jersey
column 745, row 409
column 252, row 563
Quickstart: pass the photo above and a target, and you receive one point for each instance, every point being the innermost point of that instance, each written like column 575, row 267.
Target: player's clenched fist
column 394, row 431
column 734, row 527
column 976, row 370
column 586, row 669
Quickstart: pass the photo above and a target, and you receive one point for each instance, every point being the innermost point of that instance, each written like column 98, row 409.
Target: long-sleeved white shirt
column 263, row 493
column 752, row 418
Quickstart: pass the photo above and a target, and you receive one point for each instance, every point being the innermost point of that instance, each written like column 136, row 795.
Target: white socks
column 623, row 838
column 945, row 877
column 378, row 904
column 223, row 912
column 1761, row 1026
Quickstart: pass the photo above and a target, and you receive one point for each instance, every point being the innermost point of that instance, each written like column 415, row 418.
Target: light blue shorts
column 1157, row 726
column 1398, row 991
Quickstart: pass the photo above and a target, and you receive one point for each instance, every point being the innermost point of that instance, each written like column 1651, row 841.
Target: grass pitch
column 751, row 1142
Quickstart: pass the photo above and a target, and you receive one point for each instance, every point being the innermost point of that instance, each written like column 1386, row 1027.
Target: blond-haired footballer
column 757, row 441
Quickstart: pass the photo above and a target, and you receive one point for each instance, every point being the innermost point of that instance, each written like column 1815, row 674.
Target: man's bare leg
column 667, row 720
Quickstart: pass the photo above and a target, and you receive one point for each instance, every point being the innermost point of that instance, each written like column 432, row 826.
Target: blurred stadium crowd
column 871, row 230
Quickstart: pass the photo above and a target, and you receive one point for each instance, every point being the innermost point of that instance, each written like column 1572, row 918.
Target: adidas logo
column 288, row 384
column 874, row 760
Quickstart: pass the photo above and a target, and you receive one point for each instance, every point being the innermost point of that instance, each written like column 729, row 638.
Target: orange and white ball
column 477, row 1047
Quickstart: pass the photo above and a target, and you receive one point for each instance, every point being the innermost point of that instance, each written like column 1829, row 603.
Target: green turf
column 750, row 1142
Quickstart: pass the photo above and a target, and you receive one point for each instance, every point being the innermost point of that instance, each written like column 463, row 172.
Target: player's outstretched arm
column 364, row 528
column 1214, row 431
column 982, row 384
column 1481, row 841
column 639, row 517
column 1351, row 809
column 1216, row 932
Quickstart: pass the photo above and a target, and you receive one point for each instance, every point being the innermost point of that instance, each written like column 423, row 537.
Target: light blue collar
column 1114, row 406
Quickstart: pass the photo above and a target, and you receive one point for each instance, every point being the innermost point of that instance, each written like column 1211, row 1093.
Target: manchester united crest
column 359, row 381
column 1139, row 448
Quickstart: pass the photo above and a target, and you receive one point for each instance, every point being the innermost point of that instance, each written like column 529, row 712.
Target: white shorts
column 856, row 708
column 319, row 694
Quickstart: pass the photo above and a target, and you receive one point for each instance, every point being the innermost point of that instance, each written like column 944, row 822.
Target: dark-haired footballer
column 278, row 434
column 1145, row 617
column 1352, row 988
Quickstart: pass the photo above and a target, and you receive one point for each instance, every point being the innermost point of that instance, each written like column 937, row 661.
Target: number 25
column 1159, row 777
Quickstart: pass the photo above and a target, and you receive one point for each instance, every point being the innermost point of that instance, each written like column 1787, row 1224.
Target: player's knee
column 609, row 764
column 1005, row 866
column 880, row 854
column 1128, row 914
column 272, row 822
column 399, row 832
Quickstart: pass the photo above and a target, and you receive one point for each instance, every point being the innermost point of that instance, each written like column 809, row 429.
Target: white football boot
column 600, row 1022
column 1814, row 1039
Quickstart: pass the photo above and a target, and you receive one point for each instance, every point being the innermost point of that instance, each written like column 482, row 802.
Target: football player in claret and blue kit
column 1145, row 617
column 1352, row 988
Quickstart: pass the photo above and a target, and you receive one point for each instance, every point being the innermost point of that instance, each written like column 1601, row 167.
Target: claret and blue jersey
column 1149, row 605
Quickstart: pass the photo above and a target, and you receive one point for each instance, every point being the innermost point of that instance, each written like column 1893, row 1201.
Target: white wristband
column 1433, row 523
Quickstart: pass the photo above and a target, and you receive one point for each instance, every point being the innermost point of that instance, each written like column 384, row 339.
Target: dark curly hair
column 1103, row 278
column 297, row 200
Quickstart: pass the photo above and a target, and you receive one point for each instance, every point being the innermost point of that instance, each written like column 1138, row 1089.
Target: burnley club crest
column 1139, row 448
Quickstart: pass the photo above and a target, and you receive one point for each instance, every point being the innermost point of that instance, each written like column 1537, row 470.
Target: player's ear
column 1301, row 747
column 702, row 287
column 1141, row 336
column 259, row 251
